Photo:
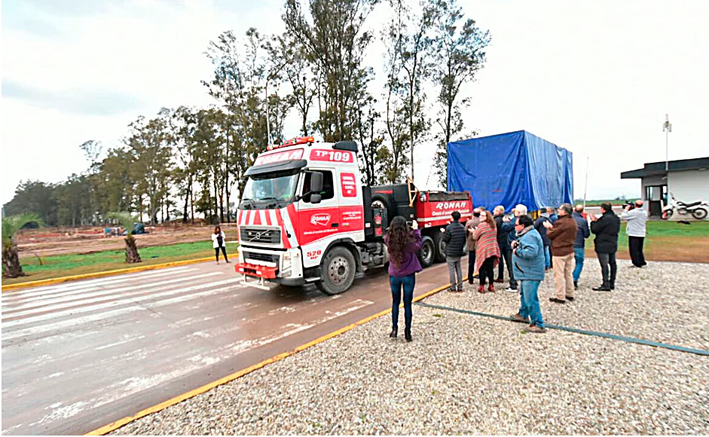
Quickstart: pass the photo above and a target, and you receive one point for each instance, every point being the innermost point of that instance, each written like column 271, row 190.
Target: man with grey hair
column 563, row 236
column 636, row 230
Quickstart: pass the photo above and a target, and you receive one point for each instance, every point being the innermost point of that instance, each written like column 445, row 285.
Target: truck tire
column 427, row 252
column 337, row 271
column 439, row 245
column 384, row 202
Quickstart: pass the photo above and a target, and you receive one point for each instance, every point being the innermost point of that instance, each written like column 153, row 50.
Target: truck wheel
column 382, row 201
column 439, row 255
column 338, row 271
column 427, row 252
column 699, row 213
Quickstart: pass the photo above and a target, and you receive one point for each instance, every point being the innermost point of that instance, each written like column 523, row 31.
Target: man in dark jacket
column 454, row 237
column 539, row 226
column 504, row 227
column 606, row 229
column 580, row 244
column 562, row 235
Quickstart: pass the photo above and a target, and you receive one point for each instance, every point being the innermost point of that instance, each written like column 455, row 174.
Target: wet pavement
column 79, row 355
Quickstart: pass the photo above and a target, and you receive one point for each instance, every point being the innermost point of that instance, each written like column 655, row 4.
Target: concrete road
column 79, row 355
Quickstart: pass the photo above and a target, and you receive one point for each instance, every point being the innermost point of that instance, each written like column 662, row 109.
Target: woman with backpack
column 218, row 242
column 403, row 244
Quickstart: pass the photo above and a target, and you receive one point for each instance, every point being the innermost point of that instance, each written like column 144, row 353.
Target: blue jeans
column 579, row 255
column 408, row 283
column 547, row 257
column 530, row 302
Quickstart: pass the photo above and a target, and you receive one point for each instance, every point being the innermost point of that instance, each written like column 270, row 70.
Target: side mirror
column 315, row 198
column 316, row 180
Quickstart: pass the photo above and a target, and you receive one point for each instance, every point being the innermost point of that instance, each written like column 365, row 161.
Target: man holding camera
column 636, row 229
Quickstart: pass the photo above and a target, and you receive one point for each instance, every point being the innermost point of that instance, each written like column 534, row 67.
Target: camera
column 629, row 204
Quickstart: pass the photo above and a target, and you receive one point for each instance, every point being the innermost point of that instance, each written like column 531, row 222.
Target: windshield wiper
column 270, row 198
column 250, row 201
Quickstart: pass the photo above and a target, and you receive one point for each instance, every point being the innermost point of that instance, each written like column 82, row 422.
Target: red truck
column 305, row 218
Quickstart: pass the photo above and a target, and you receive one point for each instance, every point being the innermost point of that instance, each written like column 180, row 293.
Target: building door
column 656, row 196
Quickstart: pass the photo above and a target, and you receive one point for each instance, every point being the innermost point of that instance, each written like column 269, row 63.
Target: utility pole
column 667, row 128
column 585, row 186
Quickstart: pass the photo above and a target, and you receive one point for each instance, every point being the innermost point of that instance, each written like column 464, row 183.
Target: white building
column 686, row 179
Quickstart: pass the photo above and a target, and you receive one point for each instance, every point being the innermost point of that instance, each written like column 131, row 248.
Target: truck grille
column 263, row 236
column 267, row 257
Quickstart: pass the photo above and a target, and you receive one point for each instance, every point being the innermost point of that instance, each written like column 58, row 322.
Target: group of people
column 529, row 248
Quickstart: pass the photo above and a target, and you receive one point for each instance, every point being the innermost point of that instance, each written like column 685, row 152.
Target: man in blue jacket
column 580, row 243
column 528, row 260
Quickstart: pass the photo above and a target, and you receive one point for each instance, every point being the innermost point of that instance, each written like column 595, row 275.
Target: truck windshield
column 273, row 191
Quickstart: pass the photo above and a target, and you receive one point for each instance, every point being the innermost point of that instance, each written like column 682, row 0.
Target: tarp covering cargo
column 511, row 168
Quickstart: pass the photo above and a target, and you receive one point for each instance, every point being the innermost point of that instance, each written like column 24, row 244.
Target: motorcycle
column 698, row 210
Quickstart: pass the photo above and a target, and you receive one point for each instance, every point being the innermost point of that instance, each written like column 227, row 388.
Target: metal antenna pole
column 585, row 186
column 667, row 128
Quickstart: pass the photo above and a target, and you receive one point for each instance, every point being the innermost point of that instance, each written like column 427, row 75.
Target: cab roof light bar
column 292, row 142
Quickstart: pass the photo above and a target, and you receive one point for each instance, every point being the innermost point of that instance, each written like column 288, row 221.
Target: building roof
column 658, row 168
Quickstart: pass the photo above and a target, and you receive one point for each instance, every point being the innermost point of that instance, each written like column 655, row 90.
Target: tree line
column 186, row 161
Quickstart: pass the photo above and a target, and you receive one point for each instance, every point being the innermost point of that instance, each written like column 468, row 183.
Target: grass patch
column 667, row 241
column 69, row 265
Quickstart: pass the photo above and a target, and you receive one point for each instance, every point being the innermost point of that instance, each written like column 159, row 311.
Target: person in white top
column 218, row 241
column 636, row 230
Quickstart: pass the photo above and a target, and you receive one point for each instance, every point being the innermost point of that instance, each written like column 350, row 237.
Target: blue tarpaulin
column 511, row 168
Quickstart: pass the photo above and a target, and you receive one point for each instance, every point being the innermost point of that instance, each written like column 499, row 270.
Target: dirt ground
column 63, row 241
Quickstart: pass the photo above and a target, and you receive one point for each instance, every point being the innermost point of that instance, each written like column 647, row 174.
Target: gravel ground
column 465, row 374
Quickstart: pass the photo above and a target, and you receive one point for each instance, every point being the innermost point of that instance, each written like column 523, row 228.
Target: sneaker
column 576, row 285
column 519, row 318
column 601, row 288
column 491, row 288
column 499, row 280
column 570, row 298
column 534, row 329
column 511, row 290
column 555, row 300
column 481, row 289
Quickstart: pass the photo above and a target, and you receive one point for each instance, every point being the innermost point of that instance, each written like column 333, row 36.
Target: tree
column 459, row 53
column 34, row 197
column 151, row 164
column 335, row 43
column 127, row 221
column 410, row 31
column 11, row 267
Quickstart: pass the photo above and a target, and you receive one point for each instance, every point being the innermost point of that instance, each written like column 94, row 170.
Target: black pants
column 635, row 245
column 607, row 259
column 487, row 270
column 216, row 252
column 471, row 266
column 506, row 258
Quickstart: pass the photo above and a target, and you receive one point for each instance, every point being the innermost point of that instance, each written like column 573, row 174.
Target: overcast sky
column 594, row 77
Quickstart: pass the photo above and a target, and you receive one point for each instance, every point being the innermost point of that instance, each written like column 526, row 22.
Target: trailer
column 511, row 168
column 304, row 217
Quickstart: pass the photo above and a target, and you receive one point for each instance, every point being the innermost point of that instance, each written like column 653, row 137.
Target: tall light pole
column 667, row 128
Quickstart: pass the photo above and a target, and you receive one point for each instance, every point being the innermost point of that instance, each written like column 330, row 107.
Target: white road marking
column 93, row 282
column 86, row 319
column 61, row 303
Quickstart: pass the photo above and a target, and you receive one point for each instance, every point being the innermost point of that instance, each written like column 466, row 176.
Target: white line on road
column 86, row 319
column 72, row 301
column 12, row 296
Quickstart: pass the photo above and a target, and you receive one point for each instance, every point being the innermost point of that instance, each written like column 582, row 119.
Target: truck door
column 318, row 222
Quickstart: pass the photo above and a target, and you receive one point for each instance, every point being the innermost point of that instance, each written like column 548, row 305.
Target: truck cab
column 305, row 218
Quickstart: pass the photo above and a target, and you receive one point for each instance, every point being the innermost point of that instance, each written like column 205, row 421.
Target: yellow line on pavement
column 102, row 274
column 192, row 393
